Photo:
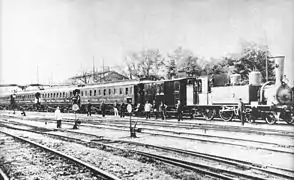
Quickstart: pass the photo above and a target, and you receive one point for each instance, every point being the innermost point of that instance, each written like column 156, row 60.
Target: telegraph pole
column 37, row 74
column 266, row 68
column 93, row 70
column 103, row 68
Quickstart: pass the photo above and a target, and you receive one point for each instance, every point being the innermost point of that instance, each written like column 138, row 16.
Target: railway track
column 116, row 163
column 66, row 163
column 245, row 143
column 3, row 176
column 188, row 125
column 245, row 170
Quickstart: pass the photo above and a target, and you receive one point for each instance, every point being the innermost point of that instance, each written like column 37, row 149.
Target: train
column 211, row 96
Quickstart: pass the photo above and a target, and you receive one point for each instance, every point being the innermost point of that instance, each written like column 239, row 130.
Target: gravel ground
column 252, row 155
column 114, row 163
column 279, row 126
column 172, row 155
column 22, row 161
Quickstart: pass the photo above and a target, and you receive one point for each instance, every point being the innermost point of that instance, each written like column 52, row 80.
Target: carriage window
column 63, row 94
column 94, row 92
column 199, row 86
column 70, row 94
column 57, row 95
column 99, row 92
column 60, row 94
column 114, row 91
column 104, row 92
column 86, row 93
column 127, row 90
column 120, row 91
column 131, row 90
column 90, row 92
column 82, row 93
column 177, row 86
column 54, row 95
column 109, row 91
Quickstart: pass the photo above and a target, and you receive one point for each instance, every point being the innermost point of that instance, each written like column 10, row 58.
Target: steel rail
column 215, row 172
column 238, row 163
column 229, row 128
column 190, row 125
column 205, row 135
column 3, row 176
column 197, row 139
column 99, row 171
column 188, row 138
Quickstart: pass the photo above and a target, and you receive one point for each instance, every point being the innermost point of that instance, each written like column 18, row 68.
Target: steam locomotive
column 207, row 96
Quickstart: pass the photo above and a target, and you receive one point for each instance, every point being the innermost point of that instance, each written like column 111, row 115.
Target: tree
column 191, row 67
column 171, row 69
column 254, row 57
column 182, row 60
column 146, row 64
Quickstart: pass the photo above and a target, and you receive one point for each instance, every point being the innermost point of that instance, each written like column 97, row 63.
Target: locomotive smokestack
column 279, row 68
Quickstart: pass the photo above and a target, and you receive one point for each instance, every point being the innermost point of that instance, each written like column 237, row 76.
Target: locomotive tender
column 208, row 96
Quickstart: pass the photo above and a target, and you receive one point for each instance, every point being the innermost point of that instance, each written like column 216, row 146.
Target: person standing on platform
column 58, row 117
column 122, row 110
column 115, row 109
column 179, row 108
column 162, row 110
column 103, row 109
column 89, row 106
column 147, row 109
column 240, row 111
column 154, row 109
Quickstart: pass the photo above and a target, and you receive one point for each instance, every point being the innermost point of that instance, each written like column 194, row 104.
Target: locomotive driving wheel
column 209, row 114
column 286, row 116
column 249, row 118
column 270, row 118
column 226, row 115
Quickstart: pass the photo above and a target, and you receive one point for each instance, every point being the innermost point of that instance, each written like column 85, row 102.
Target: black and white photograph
column 146, row 89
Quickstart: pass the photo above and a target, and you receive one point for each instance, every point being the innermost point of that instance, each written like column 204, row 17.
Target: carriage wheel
column 270, row 118
column 209, row 114
column 226, row 115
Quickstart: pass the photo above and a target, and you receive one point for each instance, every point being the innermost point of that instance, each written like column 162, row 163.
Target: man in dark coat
column 179, row 107
column 240, row 111
column 89, row 108
column 122, row 110
column 162, row 110
column 103, row 109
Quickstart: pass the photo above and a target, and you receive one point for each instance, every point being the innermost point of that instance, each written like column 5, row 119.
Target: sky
column 52, row 40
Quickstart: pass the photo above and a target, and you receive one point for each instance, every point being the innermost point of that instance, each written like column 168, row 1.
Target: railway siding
column 120, row 166
column 217, row 167
column 27, row 159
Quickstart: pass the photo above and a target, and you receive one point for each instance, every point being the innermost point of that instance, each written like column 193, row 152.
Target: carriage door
column 190, row 96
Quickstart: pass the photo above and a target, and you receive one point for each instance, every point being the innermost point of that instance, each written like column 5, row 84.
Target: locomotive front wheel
column 209, row 114
column 270, row 118
column 226, row 115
